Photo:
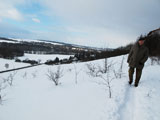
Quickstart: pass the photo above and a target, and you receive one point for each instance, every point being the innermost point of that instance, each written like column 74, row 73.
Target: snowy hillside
column 13, row 40
column 75, row 46
column 79, row 96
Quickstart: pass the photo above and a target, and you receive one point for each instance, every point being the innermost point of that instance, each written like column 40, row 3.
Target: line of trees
column 153, row 44
column 10, row 53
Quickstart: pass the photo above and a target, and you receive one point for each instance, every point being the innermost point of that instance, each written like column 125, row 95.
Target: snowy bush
column 10, row 78
column 2, row 87
column 119, row 73
column 17, row 60
column 55, row 76
column 51, row 62
column 6, row 65
column 155, row 60
column 32, row 62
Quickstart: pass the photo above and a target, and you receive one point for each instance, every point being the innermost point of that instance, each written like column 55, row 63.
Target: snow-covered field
column 40, row 58
column 43, row 58
column 78, row 96
column 12, row 64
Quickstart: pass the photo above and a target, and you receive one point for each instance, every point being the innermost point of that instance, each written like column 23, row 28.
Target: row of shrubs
column 32, row 62
column 84, row 56
column 62, row 61
column 49, row 62
column 76, row 58
column 10, row 53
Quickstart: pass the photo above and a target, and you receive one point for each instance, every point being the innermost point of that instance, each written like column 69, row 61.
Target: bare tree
column 76, row 73
column 55, row 76
column 4, row 82
column 106, row 81
column 105, row 76
column 119, row 73
column 25, row 75
column 102, row 72
column 92, row 70
column 121, row 68
column 2, row 87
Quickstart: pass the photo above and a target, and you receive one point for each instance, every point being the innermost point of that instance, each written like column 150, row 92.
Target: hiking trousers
column 138, row 75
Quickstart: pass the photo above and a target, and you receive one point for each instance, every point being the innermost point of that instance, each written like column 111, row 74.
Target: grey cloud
column 133, row 15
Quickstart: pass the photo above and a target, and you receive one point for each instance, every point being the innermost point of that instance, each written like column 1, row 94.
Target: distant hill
column 41, row 47
column 47, row 41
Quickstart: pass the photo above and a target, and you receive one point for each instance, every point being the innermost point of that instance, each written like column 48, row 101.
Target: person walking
column 137, row 57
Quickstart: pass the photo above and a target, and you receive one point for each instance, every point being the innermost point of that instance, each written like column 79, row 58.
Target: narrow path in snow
column 126, row 109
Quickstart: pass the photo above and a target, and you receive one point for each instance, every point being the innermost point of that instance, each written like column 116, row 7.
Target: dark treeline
column 10, row 52
column 153, row 44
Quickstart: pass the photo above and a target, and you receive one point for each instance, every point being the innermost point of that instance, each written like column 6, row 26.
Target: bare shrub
column 2, row 87
column 10, row 78
column 76, row 73
column 102, row 72
column 155, row 60
column 6, row 65
column 105, row 76
column 34, row 74
column 92, row 70
column 119, row 73
column 25, row 75
column 55, row 76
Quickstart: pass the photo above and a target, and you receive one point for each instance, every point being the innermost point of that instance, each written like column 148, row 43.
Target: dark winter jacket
column 138, row 56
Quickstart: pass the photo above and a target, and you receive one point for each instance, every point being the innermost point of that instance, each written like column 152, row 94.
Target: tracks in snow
column 127, row 108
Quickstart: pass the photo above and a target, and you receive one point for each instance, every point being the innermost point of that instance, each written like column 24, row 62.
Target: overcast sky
column 98, row 23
